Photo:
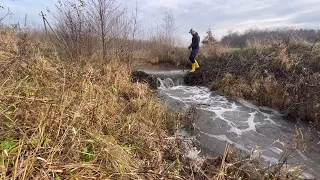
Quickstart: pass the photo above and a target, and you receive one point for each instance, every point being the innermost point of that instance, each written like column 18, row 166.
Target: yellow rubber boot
column 196, row 63
column 193, row 67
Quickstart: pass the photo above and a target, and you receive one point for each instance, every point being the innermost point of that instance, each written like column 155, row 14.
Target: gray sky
column 219, row 15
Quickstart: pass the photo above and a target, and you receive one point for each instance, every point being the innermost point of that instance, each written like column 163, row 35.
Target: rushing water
column 221, row 120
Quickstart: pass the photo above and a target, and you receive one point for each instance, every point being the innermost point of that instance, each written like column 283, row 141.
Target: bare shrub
column 81, row 24
column 75, row 37
column 107, row 21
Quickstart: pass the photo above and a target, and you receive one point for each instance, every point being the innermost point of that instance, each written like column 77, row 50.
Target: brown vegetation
column 68, row 107
column 64, row 119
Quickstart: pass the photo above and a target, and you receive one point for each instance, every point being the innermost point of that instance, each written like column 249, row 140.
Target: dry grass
column 64, row 120
column 155, row 53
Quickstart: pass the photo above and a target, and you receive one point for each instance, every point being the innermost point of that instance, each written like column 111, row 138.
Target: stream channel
column 220, row 119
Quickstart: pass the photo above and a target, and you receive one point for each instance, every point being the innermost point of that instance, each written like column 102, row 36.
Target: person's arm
column 192, row 43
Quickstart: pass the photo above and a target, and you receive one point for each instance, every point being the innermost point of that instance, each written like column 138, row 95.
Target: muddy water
column 220, row 120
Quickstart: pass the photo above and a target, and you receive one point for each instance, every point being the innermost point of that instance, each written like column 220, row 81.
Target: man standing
column 195, row 45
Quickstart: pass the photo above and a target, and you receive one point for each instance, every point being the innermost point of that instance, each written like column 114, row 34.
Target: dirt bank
column 142, row 77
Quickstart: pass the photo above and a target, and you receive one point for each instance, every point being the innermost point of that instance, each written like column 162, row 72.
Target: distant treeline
column 235, row 39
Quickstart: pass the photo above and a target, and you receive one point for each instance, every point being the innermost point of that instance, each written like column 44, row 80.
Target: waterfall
column 166, row 83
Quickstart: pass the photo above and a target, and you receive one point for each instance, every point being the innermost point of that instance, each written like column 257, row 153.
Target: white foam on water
column 161, row 84
column 247, row 104
column 190, row 150
column 232, row 125
column 167, row 73
column 216, row 104
column 270, row 109
column 223, row 138
column 276, row 150
column 279, row 142
column 193, row 153
column 251, row 123
column 272, row 160
column 266, row 115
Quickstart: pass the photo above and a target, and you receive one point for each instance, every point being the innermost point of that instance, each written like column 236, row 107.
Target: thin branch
column 8, row 14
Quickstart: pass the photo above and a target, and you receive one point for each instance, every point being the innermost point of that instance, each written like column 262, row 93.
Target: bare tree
column 209, row 39
column 106, row 16
column 168, row 28
column 82, row 24
column 136, row 24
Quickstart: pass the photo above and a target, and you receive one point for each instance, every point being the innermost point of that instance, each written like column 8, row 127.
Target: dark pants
column 193, row 55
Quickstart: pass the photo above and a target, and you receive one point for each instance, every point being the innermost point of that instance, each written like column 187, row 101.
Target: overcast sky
column 219, row 15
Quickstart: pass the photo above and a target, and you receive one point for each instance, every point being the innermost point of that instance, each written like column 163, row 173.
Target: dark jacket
column 195, row 41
